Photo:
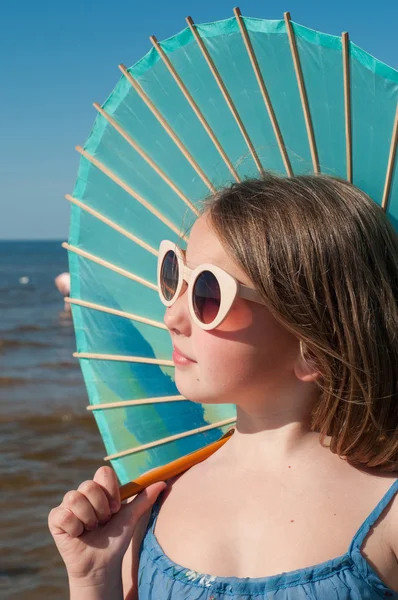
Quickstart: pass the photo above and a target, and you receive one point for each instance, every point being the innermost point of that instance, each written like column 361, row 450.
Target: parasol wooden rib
column 225, row 93
column 130, row 191
column 167, row 128
column 112, row 224
column 195, row 107
column 169, row 439
column 391, row 163
column 113, row 311
column 347, row 103
column 146, row 157
column 110, row 266
column 303, row 92
column 123, row 358
column 264, row 92
column 138, row 402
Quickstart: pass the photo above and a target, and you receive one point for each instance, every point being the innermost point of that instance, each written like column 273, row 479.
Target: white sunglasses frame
column 230, row 288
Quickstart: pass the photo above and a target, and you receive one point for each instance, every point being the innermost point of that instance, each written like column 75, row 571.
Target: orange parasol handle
column 172, row 469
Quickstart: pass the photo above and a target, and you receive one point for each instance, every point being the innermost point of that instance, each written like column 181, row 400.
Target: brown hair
column 325, row 258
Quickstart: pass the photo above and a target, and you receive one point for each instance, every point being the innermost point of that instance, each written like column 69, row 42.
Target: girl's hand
column 92, row 529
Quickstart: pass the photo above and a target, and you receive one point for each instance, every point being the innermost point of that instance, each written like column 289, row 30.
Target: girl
column 301, row 501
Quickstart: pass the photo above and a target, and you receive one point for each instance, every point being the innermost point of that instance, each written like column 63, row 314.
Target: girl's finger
column 125, row 522
column 62, row 520
column 134, row 510
column 106, row 478
column 78, row 504
column 98, row 499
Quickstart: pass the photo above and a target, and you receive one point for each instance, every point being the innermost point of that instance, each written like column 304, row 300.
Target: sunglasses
column 211, row 291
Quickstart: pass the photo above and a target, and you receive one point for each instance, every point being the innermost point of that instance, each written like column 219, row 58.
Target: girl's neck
column 274, row 434
column 273, row 449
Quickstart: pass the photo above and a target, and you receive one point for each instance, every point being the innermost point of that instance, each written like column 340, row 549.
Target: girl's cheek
column 215, row 346
column 239, row 317
column 208, row 349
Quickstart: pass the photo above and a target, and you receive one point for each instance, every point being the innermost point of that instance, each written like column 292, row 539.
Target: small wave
column 49, row 420
column 17, row 571
column 30, row 328
column 7, row 343
column 61, row 365
column 12, row 381
column 27, row 328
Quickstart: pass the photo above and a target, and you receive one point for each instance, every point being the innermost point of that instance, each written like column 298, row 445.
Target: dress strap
column 363, row 531
column 155, row 512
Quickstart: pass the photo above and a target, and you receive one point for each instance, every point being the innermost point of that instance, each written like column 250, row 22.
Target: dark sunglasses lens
column 169, row 275
column 206, row 297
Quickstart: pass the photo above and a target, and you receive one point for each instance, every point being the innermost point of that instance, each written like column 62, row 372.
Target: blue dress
column 348, row 577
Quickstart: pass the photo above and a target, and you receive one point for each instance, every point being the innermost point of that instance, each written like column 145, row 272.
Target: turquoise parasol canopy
column 216, row 103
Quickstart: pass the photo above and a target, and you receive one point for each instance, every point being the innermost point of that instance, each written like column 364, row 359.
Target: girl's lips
column 180, row 359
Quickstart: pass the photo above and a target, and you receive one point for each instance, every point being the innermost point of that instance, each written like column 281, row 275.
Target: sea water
column 49, row 442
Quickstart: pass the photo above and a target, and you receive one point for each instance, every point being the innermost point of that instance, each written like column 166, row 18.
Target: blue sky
column 58, row 57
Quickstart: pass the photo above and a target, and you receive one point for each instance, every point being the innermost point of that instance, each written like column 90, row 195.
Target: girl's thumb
column 129, row 515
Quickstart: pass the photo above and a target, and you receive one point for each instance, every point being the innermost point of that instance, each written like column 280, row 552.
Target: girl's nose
column 177, row 318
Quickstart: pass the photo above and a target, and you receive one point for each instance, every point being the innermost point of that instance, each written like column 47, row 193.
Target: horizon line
column 61, row 240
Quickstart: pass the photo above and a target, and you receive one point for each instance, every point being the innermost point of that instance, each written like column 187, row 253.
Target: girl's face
column 248, row 355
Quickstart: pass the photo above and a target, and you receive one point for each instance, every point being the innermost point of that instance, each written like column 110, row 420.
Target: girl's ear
column 304, row 368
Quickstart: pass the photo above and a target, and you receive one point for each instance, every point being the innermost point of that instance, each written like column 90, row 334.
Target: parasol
column 215, row 103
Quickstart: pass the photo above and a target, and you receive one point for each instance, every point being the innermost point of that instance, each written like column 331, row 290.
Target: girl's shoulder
column 202, row 504
column 380, row 530
column 373, row 487
column 390, row 514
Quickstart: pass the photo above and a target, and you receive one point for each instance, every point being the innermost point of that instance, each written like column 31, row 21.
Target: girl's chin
column 192, row 393
column 190, row 385
column 205, row 400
